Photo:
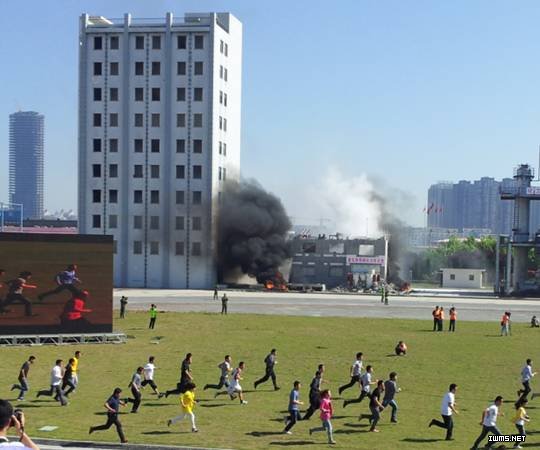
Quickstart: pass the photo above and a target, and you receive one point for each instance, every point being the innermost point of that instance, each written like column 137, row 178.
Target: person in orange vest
column 440, row 319
column 505, row 324
column 435, row 314
column 453, row 318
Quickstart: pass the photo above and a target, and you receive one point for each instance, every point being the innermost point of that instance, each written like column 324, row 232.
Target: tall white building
column 159, row 132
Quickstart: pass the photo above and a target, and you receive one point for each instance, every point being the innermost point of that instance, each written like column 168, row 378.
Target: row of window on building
column 155, row 171
column 196, row 248
column 181, row 69
column 155, row 42
column 155, row 146
column 179, row 248
column 155, row 95
column 180, row 196
column 155, row 120
column 154, row 222
column 196, row 196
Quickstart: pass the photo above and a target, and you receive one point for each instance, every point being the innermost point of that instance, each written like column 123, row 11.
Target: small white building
column 463, row 278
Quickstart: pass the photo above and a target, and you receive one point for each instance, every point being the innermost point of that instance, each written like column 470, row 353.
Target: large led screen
column 53, row 284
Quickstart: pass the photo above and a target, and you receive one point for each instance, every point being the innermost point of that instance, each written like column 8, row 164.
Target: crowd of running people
column 379, row 393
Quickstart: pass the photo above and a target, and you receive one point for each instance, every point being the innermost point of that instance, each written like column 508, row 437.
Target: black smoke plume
column 253, row 227
column 394, row 228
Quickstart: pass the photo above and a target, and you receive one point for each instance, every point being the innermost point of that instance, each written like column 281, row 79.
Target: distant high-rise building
column 26, row 144
column 476, row 205
column 159, row 133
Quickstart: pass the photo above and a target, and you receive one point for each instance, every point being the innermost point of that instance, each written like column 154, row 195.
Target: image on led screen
column 55, row 283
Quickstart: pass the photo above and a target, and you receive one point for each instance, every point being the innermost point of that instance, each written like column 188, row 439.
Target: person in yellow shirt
column 75, row 368
column 520, row 418
column 187, row 400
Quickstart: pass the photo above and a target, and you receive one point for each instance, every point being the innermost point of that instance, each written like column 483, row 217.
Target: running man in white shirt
column 234, row 387
column 225, row 368
column 356, row 373
column 526, row 375
column 57, row 374
column 366, row 382
column 489, row 423
column 148, row 371
column 448, row 407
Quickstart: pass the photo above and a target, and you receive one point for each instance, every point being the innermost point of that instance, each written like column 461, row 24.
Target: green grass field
column 476, row 358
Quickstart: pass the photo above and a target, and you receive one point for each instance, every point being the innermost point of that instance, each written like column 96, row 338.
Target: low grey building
column 336, row 261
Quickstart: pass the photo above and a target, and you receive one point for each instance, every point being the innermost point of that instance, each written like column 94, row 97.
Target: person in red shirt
column 72, row 316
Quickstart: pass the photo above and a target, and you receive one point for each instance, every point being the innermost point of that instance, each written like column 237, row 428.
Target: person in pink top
column 326, row 414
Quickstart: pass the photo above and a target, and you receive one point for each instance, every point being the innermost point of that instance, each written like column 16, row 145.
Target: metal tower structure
column 522, row 193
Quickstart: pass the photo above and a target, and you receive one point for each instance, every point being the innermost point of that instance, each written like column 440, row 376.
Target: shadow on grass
column 292, row 443
column 27, row 405
column 163, row 433
column 216, row 406
column 421, row 440
column 350, row 431
column 78, row 444
column 264, row 433
column 156, row 404
column 530, row 445
column 356, row 425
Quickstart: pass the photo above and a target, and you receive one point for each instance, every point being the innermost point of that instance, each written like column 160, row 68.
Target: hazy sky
column 409, row 92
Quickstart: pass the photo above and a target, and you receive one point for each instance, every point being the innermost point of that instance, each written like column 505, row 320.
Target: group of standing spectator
column 438, row 318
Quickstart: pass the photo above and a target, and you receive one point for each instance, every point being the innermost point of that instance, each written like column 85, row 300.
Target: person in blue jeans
column 489, row 423
column 23, row 385
column 390, row 390
column 294, row 408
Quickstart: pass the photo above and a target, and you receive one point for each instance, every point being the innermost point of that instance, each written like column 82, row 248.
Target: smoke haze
column 253, row 227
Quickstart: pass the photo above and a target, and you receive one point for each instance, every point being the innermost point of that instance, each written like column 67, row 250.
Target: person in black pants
column 225, row 368
column 365, row 382
column 123, row 304
column 67, row 380
column 356, row 373
column 435, row 314
column 113, row 407
column 136, row 385
column 270, row 362
column 224, row 303
column 294, row 408
column 489, row 423
column 375, row 406
column 15, row 293
column 65, row 281
column 56, row 381
column 315, row 393
column 448, row 407
column 185, row 377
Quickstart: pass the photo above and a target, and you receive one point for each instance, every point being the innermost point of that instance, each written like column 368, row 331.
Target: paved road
column 328, row 304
